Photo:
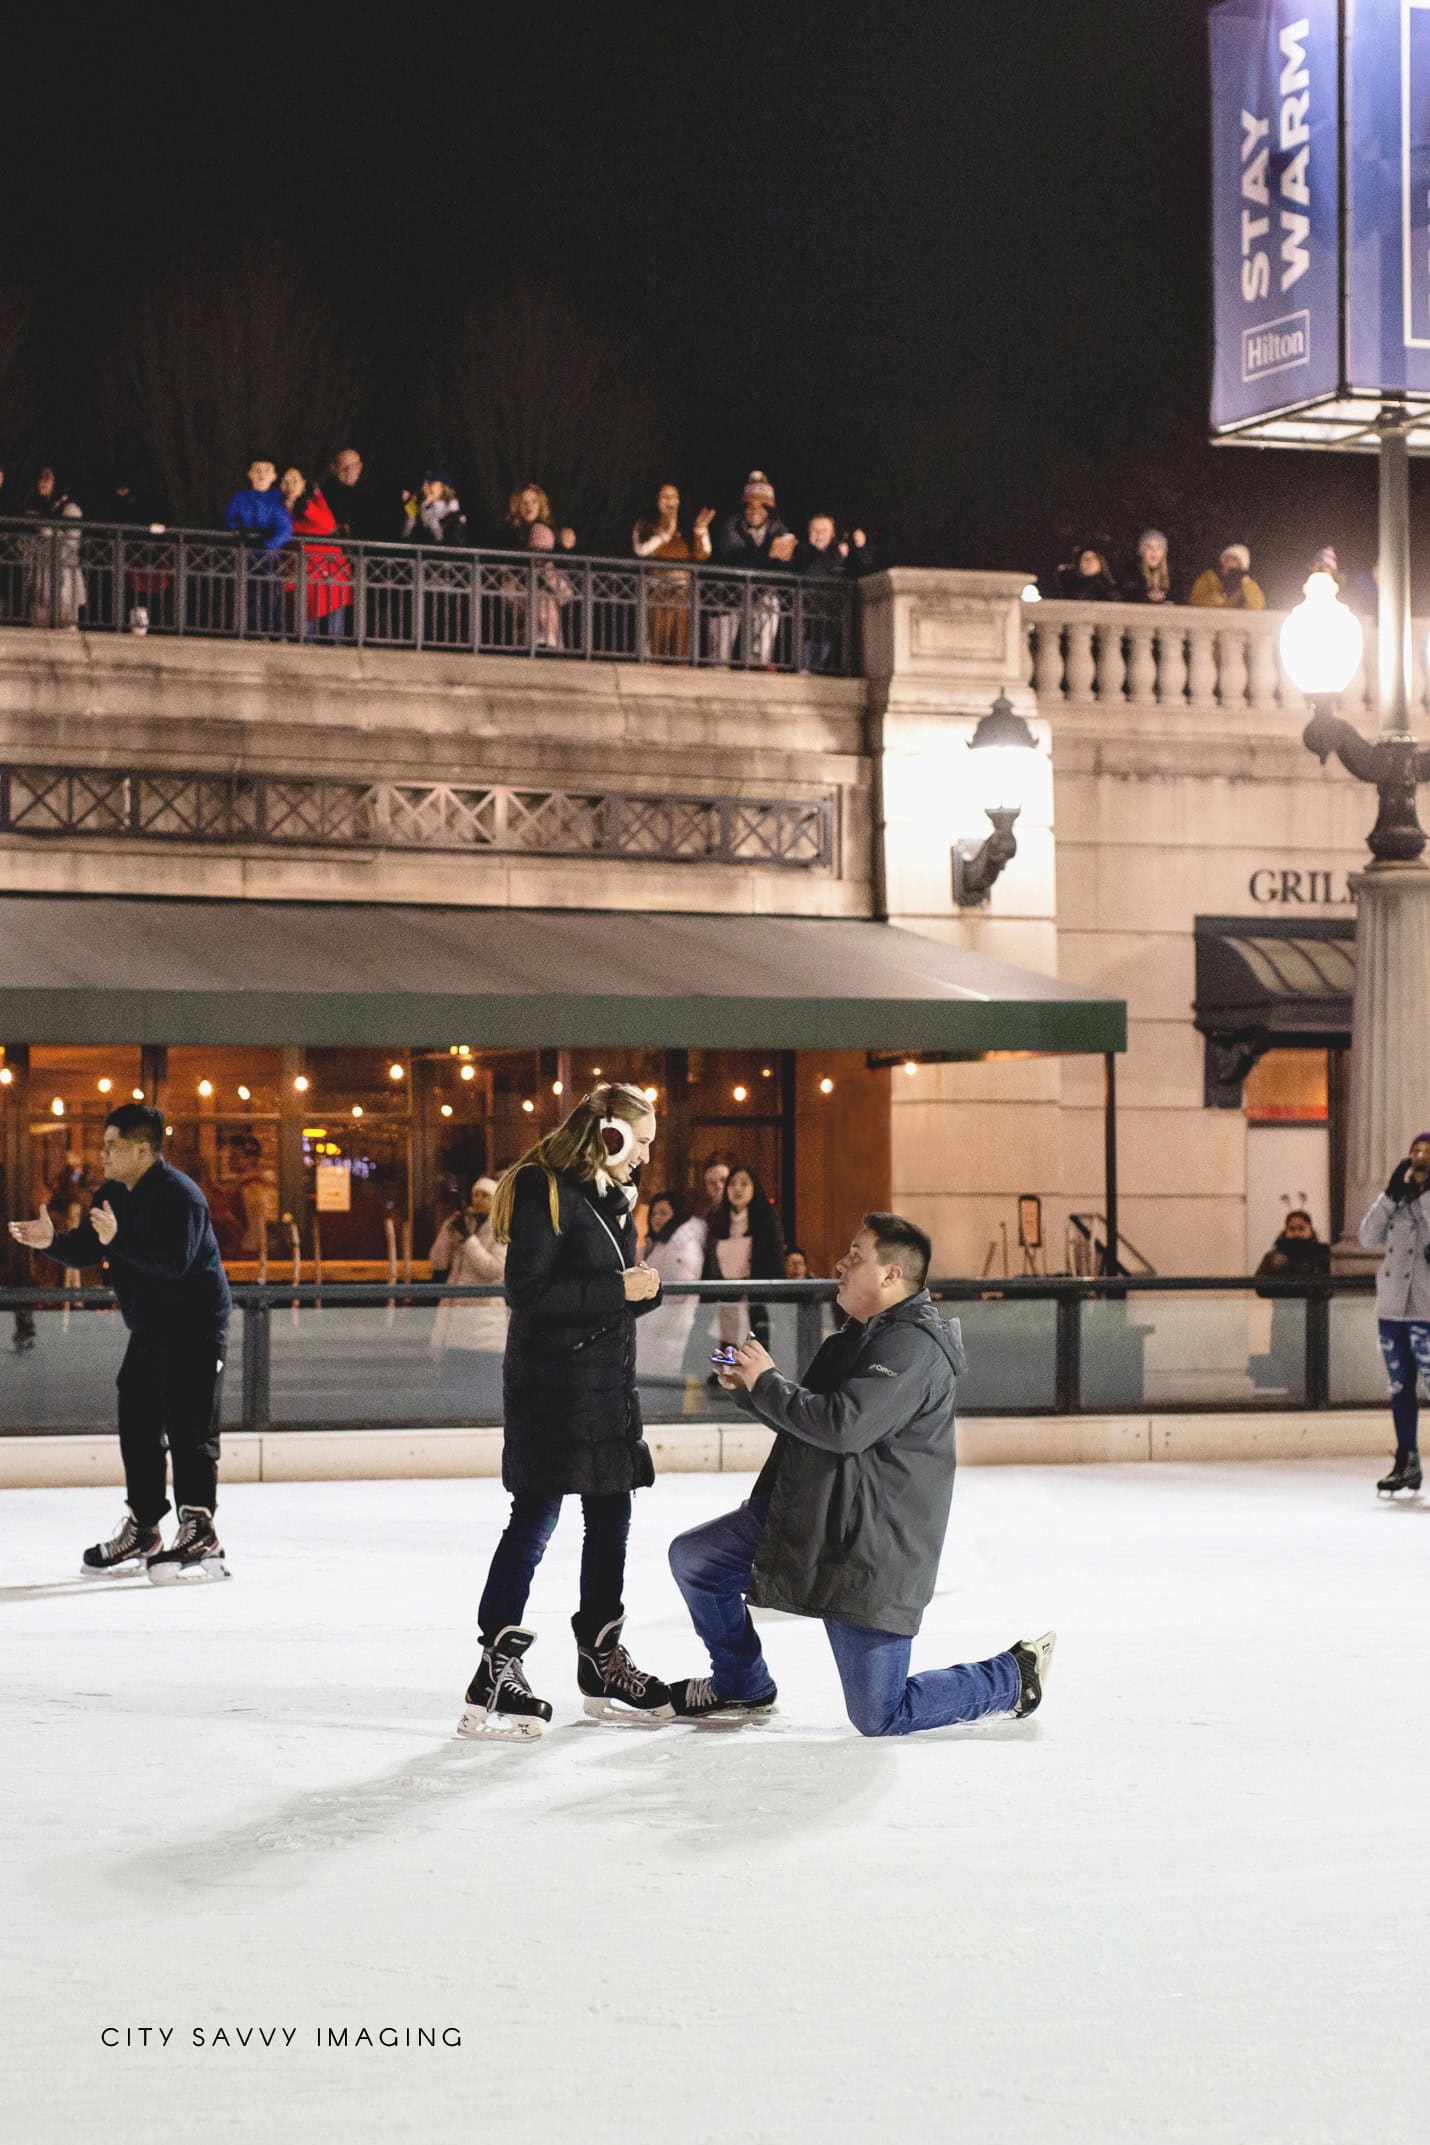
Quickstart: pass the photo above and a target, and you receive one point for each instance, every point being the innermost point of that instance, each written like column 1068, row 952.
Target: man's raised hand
column 105, row 1222
column 38, row 1234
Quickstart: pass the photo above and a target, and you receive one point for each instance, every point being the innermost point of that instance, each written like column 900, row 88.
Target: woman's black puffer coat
column 573, row 1415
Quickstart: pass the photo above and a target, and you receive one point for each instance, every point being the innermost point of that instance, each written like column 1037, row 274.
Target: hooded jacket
column 1401, row 1229
column 861, row 1477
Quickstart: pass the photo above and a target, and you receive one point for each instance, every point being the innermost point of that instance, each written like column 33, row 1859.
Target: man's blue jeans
column 712, row 1566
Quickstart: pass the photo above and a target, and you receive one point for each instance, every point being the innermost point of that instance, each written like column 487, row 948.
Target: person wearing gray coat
column 848, row 1517
column 1399, row 1225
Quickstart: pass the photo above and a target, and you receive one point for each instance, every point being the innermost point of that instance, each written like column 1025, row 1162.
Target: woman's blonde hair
column 575, row 1149
column 513, row 505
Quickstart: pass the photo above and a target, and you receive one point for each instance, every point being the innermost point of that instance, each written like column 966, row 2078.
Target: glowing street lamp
column 1321, row 644
column 1001, row 773
column 1321, row 641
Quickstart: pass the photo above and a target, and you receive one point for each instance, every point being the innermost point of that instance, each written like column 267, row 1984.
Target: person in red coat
column 327, row 575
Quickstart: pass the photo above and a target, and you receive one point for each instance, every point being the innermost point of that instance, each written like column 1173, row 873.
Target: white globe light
column 1321, row 641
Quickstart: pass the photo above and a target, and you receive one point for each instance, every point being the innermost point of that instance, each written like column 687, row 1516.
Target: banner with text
column 1388, row 195
column 1275, row 206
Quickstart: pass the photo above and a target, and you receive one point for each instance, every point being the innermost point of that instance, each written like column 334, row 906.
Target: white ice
column 1187, row 1901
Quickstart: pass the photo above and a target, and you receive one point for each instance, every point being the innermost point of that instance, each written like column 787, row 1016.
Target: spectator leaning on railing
column 1085, row 579
column 257, row 512
column 826, row 556
column 528, row 528
column 754, row 538
column 1152, row 581
column 1228, row 585
column 433, row 513
column 327, row 576
column 359, row 513
column 668, row 596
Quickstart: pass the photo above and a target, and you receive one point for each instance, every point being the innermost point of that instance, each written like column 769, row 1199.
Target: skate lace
column 191, row 1526
column 509, row 1675
column 700, row 1691
column 621, row 1674
column 124, row 1537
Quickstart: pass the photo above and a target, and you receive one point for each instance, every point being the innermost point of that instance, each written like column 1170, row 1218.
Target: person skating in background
column 1399, row 1225
column 675, row 1246
column 471, row 1335
column 150, row 1224
column 743, row 1242
column 572, row 1414
column 847, row 1519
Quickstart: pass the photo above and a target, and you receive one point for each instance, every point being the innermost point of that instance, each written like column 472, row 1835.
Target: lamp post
column 1390, row 1018
column 1003, row 742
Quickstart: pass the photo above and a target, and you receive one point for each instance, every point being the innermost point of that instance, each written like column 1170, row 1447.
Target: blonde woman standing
column 574, row 1289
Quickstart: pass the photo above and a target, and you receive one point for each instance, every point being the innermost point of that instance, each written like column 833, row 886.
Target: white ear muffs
column 619, row 1140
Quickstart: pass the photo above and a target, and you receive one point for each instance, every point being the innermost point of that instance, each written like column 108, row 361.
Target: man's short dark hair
column 138, row 1121
column 901, row 1243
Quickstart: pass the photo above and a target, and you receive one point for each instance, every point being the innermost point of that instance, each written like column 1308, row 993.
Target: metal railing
column 369, row 1355
column 106, row 578
column 148, row 804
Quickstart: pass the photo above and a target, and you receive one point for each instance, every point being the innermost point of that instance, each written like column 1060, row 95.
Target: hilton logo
column 1279, row 346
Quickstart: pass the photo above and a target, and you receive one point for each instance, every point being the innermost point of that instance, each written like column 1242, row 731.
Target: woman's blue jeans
column 520, row 1550
column 712, row 1566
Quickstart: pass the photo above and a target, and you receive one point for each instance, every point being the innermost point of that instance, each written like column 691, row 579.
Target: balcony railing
column 108, row 579
column 302, row 812
column 1192, row 661
column 369, row 1355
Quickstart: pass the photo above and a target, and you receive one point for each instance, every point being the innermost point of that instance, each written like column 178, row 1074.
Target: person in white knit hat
column 1228, row 585
column 754, row 538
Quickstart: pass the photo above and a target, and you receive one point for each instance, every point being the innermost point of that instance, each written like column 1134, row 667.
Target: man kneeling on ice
column 847, row 1519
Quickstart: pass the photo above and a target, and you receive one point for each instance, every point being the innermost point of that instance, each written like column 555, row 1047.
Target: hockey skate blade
column 628, row 1716
column 190, row 1574
column 131, row 1568
column 475, row 1727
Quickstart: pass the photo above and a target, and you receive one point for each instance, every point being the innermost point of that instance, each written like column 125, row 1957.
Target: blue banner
column 1388, row 195
column 1275, row 73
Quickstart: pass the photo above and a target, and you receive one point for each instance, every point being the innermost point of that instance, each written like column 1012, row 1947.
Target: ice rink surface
column 1187, row 1900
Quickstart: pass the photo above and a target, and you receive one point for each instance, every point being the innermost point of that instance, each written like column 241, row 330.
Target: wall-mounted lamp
column 1005, row 746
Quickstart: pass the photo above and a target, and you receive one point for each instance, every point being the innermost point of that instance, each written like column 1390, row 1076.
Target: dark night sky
column 944, row 263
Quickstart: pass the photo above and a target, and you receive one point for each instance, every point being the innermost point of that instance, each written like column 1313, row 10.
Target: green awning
column 116, row 970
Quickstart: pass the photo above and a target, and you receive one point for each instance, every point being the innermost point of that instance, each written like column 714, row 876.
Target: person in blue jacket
column 150, row 1224
column 258, row 512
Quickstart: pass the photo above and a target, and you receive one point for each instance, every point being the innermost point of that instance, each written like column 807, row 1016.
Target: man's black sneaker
column 1404, row 1475
column 693, row 1698
column 1034, row 1657
column 195, row 1553
column 125, row 1551
column 500, row 1702
column 613, row 1687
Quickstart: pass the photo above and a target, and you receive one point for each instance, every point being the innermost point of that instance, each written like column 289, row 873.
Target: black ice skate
column 501, row 1705
column 127, row 1550
column 613, row 1687
column 1034, row 1657
column 195, row 1553
column 1404, row 1475
column 693, row 1698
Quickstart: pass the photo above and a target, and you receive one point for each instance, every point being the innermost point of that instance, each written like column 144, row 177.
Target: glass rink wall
column 371, row 1355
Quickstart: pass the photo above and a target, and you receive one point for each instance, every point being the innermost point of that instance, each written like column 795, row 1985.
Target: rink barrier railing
column 1306, row 1360
column 102, row 577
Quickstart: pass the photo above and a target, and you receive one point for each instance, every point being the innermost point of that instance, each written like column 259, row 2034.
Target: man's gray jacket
column 861, row 1477
column 1402, row 1231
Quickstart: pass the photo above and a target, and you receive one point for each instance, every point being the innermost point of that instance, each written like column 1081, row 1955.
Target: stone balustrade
column 1200, row 660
